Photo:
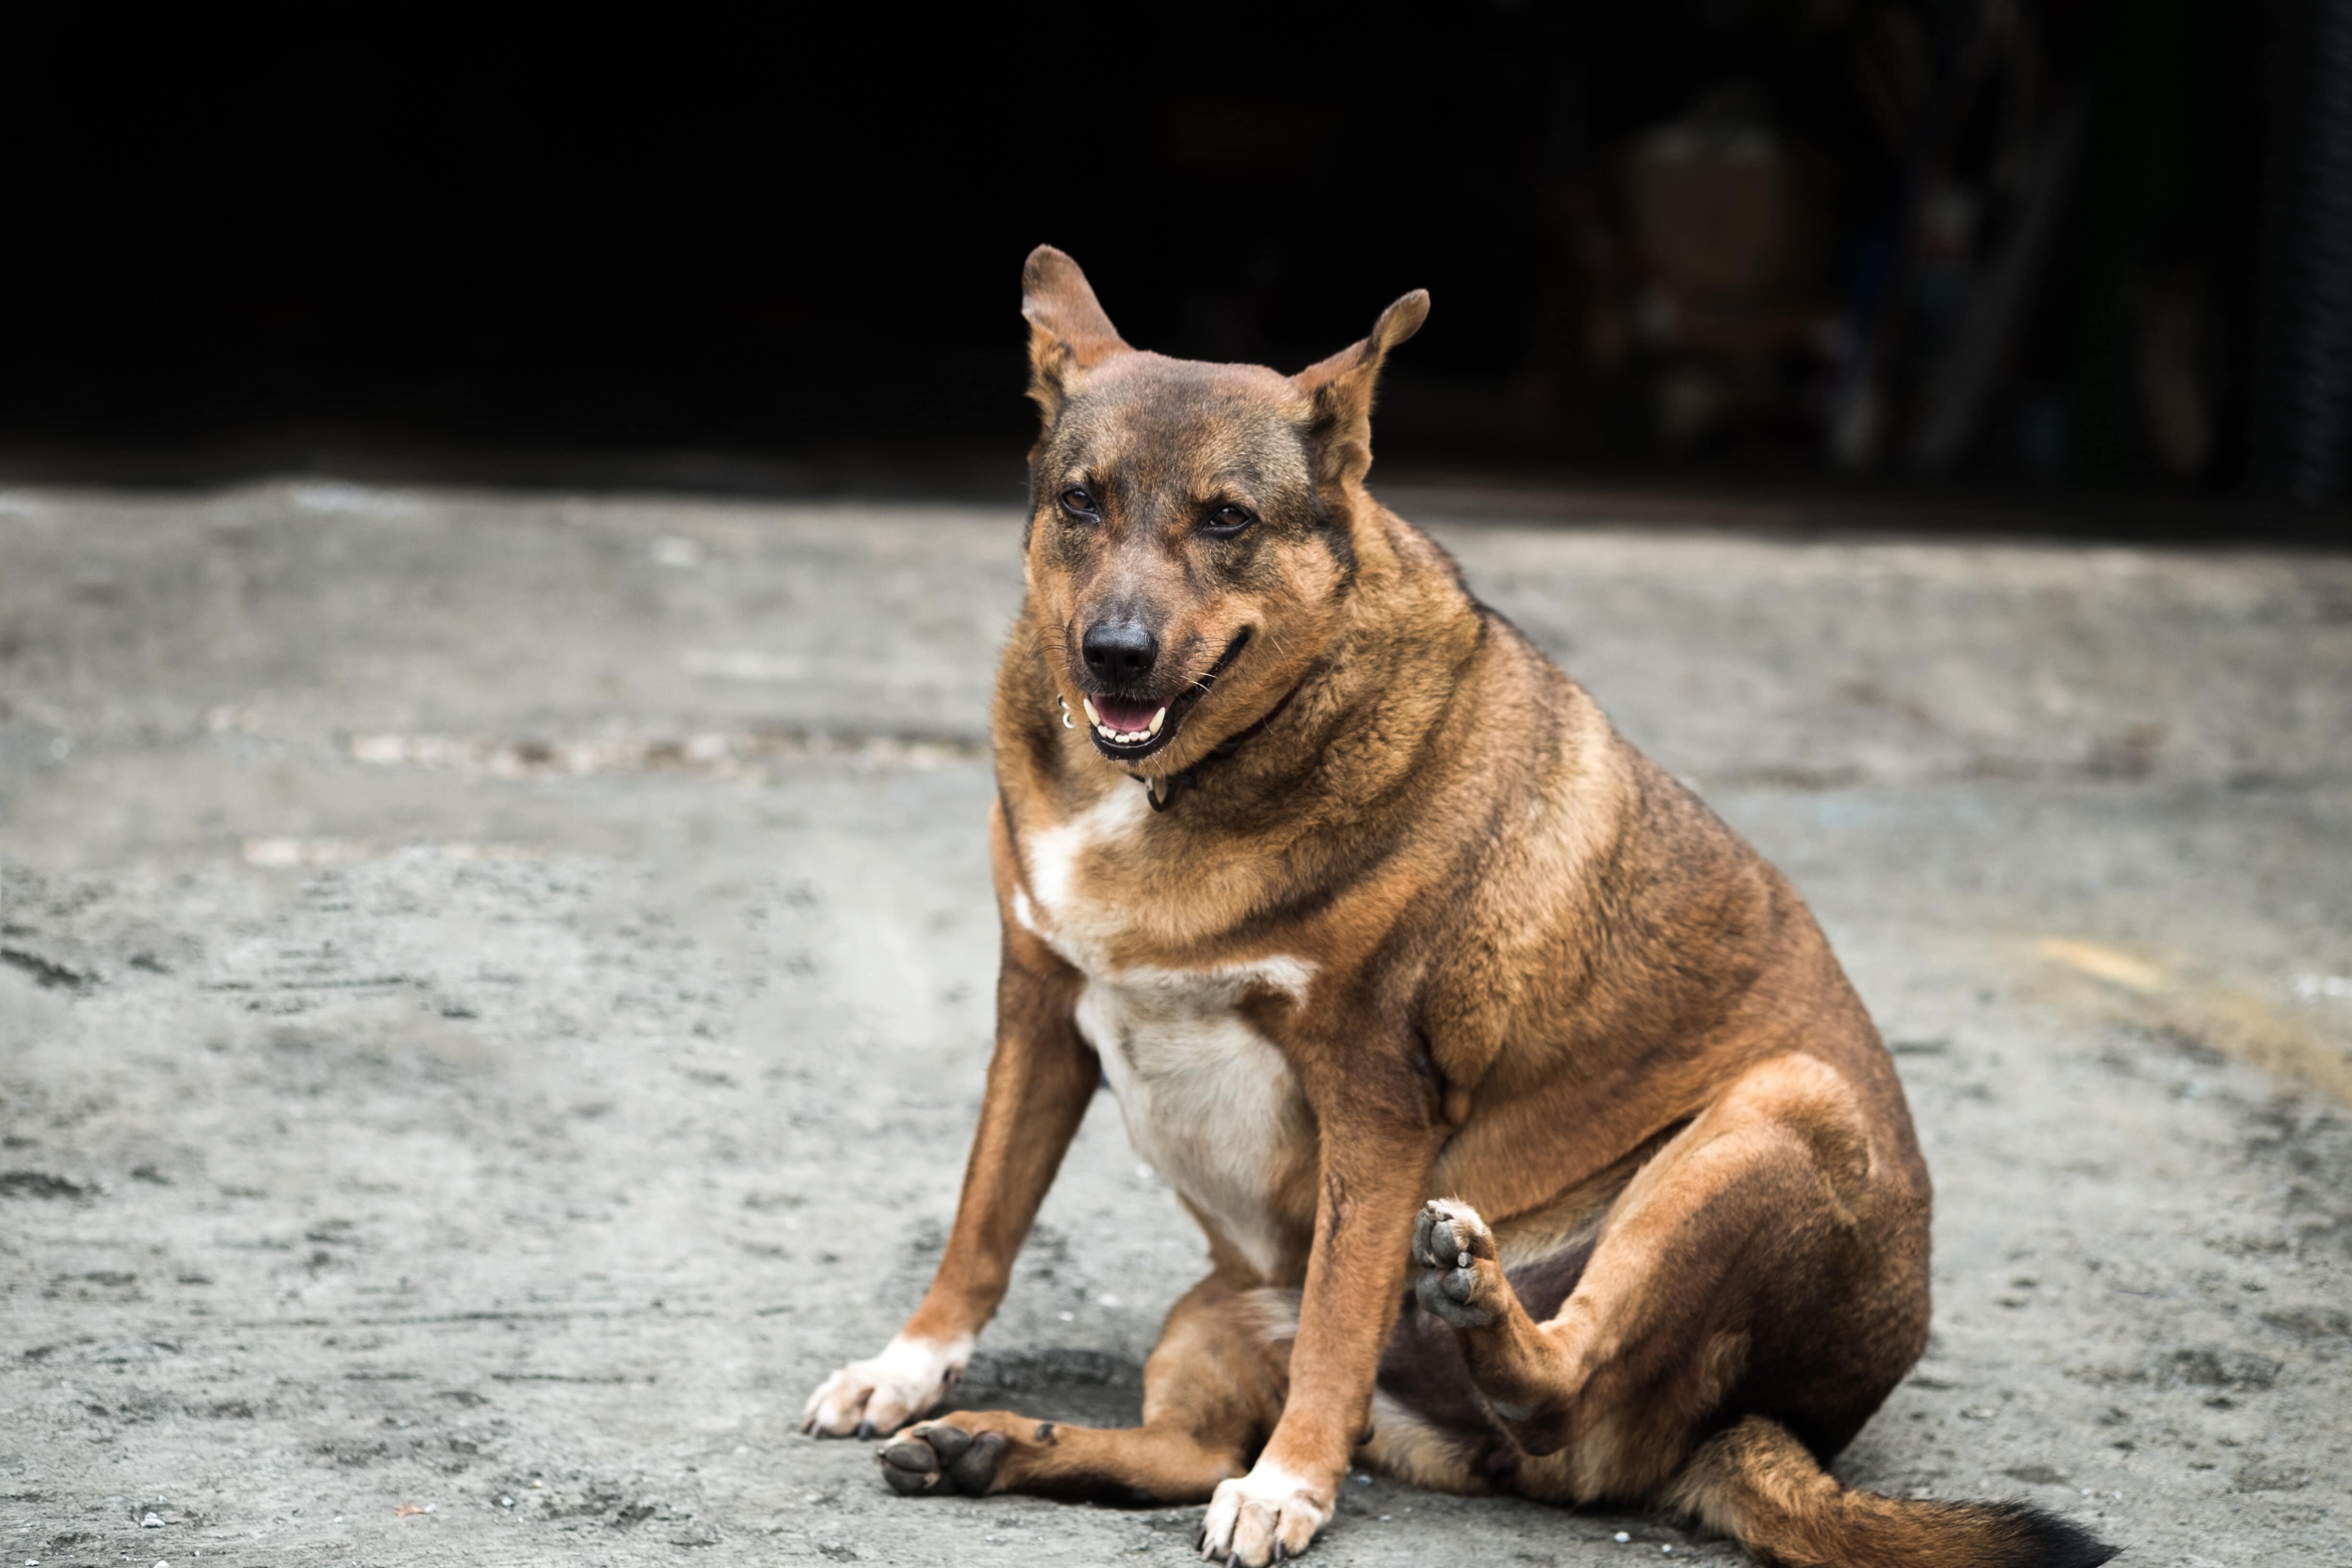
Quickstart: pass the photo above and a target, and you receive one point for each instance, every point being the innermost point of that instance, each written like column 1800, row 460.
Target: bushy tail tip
column 1757, row 1484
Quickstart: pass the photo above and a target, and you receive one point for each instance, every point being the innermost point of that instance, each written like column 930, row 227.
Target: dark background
column 2093, row 258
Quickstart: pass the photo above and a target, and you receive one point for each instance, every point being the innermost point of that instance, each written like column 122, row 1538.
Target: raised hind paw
column 1461, row 1281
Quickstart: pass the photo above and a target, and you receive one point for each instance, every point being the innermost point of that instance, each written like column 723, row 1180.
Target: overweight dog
column 1540, row 1143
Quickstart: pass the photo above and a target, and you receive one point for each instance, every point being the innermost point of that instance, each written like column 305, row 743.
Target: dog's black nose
column 1120, row 652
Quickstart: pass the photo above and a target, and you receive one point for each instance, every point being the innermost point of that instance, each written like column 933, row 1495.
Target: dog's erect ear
column 1341, row 387
column 1067, row 329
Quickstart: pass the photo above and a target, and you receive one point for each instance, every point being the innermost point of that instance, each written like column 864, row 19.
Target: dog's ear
column 1340, row 433
column 1067, row 329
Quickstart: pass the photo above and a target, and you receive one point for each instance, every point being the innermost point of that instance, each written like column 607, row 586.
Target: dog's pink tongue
column 1124, row 714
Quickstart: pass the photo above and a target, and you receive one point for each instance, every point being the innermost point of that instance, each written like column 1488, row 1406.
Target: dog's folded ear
column 1340, row 433
column 1067, row 329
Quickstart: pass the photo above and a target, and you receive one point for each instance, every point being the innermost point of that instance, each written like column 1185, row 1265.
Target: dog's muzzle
column 1129, row 728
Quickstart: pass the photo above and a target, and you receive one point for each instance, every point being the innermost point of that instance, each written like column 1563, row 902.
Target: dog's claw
column 866, row 1429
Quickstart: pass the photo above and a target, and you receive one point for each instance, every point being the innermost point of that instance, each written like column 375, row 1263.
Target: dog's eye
column 1078, row 503
column 1229, row 520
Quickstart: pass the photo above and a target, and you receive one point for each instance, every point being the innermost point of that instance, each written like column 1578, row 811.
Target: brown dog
column 1395, row 913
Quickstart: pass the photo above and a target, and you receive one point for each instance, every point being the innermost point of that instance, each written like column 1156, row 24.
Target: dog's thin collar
column 1164, row 791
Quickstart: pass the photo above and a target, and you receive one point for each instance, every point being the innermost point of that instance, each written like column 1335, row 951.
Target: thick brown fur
column 1424, row 988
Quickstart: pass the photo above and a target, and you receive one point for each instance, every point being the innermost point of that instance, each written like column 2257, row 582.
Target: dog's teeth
column 1156, row 720
column 1092, row 717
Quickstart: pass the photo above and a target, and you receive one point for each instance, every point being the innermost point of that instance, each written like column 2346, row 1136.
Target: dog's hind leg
column 1755, row 1291
column 1211, row 1391
column 1764, row 1258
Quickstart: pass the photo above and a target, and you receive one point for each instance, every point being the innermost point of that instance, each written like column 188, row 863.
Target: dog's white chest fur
column 1207, row 1100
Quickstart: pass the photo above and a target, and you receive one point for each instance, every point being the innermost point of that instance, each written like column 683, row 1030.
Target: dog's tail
column 1759, row 1485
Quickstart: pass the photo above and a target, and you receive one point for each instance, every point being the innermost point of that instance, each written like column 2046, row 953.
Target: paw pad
column 938, row 1457
column 1454, row 1248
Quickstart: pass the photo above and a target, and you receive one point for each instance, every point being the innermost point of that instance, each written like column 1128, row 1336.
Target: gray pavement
column 493, row 994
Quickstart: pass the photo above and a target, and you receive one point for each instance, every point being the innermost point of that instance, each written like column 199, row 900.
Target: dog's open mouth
column 1125, row 723
column 1129, row 729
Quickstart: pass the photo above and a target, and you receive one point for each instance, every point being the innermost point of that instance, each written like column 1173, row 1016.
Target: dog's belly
column 1207, row 1100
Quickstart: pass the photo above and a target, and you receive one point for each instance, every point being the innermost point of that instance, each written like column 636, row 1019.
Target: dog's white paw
column 1264, row 1517
column 881, row 1393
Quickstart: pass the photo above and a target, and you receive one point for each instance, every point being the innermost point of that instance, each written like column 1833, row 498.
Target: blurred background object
column 2096, row 254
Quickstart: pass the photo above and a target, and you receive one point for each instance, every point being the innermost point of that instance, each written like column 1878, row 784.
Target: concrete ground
column 496, row 991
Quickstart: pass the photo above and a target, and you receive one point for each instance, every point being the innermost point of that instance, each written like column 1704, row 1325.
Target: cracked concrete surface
column 493, row 994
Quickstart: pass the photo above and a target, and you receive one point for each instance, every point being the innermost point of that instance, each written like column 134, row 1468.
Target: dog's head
column 1189, row 535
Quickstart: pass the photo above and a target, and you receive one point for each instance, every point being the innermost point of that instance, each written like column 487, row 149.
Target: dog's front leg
column 1378, row 1137
column 1039, row 1083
